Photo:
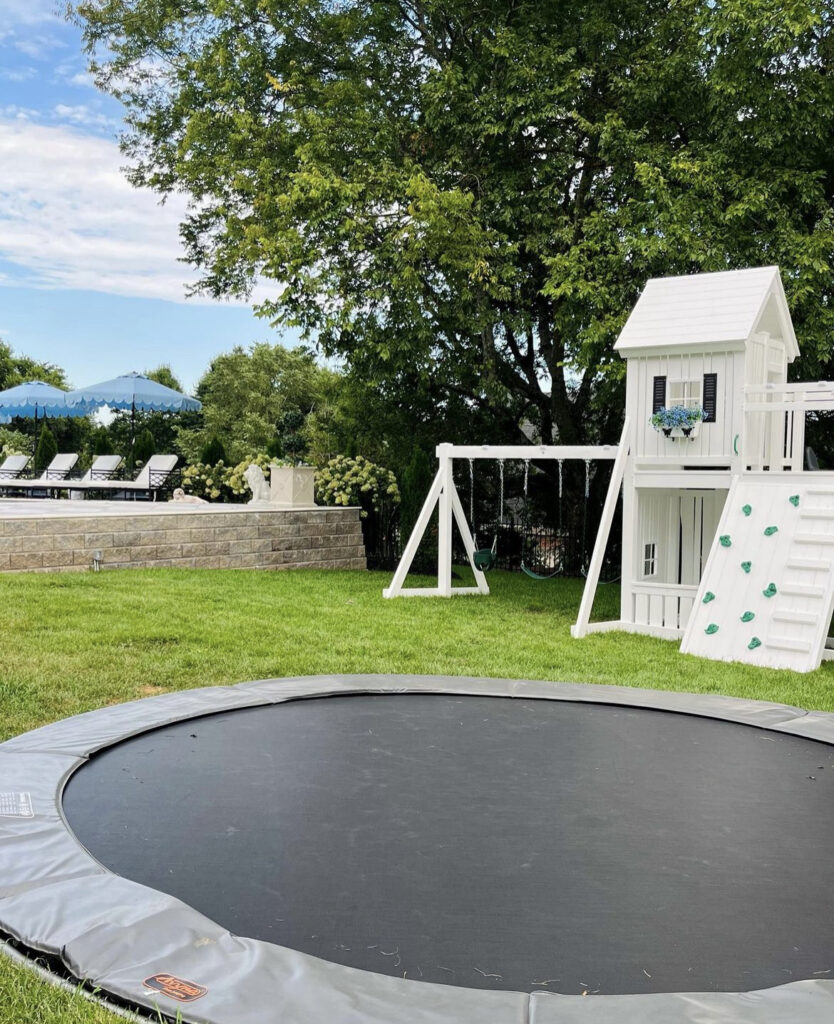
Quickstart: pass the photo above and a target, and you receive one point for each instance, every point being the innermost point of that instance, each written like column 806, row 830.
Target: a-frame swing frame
column 444, row 496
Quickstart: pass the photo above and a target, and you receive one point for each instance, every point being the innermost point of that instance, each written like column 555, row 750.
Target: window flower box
column 678, row 421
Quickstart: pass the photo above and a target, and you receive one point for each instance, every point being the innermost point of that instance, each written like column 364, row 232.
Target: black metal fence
column 546, row 535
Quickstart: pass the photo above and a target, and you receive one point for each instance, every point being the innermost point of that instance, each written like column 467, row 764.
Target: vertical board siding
column 651, row 375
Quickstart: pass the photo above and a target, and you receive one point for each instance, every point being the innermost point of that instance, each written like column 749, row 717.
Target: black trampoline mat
column 483, row 841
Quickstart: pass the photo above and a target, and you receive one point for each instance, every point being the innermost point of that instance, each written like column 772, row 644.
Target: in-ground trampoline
column 430, row 850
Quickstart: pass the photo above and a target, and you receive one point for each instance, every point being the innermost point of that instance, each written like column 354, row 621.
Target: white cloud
column 27, row 12
column 22, row 74
column 69, row 219
column 84, row 115
column 38, row 47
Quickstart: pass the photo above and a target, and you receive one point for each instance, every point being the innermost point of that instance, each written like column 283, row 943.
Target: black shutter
column 710, row 396
column 659, row 397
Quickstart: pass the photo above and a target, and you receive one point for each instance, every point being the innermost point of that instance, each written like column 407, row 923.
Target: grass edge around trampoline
column 74, row 642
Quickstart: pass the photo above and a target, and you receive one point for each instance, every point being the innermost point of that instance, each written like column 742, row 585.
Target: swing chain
column 587, row 478
column 501, row 494
column 526, row 472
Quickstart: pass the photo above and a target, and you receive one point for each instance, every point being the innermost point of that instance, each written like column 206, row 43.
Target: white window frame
column 688, row 392
column 649, row 559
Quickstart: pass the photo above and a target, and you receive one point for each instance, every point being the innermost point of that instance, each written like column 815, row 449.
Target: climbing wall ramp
column 767, row 593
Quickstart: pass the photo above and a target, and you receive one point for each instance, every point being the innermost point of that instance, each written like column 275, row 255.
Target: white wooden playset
column 728, row 530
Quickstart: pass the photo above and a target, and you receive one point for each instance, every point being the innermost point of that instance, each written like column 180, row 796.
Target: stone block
column 67, row 541
column 192, row 550
column 59, row 558
column 25, row 559
column 98, row 540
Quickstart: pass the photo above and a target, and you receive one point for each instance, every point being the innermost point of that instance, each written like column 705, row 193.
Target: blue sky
column 89, row 271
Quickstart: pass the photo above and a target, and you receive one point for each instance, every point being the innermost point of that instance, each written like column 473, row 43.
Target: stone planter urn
column 291, row 486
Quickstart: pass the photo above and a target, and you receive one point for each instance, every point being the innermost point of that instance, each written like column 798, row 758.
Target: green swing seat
column 484, row 559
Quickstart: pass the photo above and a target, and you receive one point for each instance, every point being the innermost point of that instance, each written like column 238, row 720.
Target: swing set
column 444, row 496
column 486, row 558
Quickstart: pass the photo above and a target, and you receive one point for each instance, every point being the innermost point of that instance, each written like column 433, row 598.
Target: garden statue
column 190, row 499
column 257, row 483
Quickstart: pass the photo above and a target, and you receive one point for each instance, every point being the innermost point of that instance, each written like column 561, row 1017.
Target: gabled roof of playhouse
column 702, row 311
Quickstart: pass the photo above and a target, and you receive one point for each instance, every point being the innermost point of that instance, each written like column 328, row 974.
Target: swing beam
column 444, row 496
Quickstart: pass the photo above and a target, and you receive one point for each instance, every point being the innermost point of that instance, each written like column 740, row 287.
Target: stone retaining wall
column 194, row 539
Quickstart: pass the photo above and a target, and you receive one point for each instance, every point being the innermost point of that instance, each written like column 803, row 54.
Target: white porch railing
column 774, row 423
column 663, row 605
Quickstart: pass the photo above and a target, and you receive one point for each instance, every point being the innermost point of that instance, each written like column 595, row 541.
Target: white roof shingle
column 706, row 309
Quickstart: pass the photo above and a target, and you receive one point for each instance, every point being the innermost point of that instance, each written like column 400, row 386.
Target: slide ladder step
column 784, row 643
column 814, row 538
column 802, row 590
column 809, row 564
column 796, row 617
column 817, row 513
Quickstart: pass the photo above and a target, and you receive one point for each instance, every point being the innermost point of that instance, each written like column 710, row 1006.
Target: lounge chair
column 103, row 468
column 57, row 470
column 13, row 466
column 151, row 478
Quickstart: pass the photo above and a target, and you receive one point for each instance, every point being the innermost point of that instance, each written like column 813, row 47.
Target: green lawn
column 72, row 642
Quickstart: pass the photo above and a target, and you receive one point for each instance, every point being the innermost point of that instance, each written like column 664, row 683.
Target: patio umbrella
column 132, row 391
column 35, row 399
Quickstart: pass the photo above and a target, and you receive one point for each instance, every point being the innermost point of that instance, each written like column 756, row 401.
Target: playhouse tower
column 712, row 514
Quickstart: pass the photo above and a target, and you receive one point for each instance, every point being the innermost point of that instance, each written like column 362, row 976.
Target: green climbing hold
column 709, row 596
column 754, row 643
column 747, row 566
column 711, row 628
column 770, row 530
column 746, row 509
column 769, row 590
column 725, row 540
column 794, row 500
column 748, row 617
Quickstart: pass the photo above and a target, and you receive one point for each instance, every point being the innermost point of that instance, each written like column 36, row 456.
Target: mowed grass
column 73, row 642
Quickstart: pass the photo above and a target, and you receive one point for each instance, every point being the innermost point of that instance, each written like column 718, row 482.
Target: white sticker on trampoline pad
column 16, row 805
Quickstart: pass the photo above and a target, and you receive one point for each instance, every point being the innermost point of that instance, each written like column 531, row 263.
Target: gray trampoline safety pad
column 119, row 935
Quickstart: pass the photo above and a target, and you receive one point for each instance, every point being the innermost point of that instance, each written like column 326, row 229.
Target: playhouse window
column 650, row 559
column 684, row 392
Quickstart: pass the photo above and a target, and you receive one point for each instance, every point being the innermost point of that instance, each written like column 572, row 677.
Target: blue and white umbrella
column 135, row 392
column 35, row 399
column 132, row 391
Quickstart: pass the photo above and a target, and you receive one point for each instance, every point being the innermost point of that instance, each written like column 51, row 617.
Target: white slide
column 767, row 593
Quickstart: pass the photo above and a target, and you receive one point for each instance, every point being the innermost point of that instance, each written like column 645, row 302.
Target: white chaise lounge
column 13, row 466
column 103, row 468
column 149, row 481
column 50, row 480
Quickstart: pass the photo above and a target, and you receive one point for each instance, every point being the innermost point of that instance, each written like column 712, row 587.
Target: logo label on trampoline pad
column 176, row 988
column 16, row 805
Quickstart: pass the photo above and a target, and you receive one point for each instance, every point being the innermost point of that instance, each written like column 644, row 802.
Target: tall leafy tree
column 249, row 397
column 15, row 368
column 463, row 198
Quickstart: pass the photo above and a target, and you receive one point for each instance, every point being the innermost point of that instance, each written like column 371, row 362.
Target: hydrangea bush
column 357, row 481
column 221, row 482
column 12, row 442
